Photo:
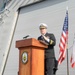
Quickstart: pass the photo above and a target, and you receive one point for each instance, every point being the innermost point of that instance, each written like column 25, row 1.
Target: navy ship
column 19, row 18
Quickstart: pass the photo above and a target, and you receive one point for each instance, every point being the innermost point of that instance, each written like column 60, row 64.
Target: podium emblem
column 24, row 57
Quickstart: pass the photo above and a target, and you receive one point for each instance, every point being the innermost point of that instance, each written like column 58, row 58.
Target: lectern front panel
column 25, row 61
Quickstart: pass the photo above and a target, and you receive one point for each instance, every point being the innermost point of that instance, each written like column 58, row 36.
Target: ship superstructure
column 19, row 18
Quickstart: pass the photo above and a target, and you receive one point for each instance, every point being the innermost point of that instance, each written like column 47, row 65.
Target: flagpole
column 64, row 43
column 67, row 52
column 67, row 63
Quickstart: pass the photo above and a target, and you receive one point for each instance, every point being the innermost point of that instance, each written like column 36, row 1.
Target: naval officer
column 50, row 39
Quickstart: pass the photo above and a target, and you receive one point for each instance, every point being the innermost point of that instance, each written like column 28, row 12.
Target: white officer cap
column 42, row 25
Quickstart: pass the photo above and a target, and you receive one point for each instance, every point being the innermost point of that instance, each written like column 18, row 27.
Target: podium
column 31, row 56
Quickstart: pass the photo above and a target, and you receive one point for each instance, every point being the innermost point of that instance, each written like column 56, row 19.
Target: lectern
column 31, row 56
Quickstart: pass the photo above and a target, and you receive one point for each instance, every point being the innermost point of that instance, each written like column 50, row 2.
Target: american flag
column 63, row 40
column 73, row 55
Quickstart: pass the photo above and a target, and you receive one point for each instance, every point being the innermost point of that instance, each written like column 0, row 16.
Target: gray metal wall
column 51, row 12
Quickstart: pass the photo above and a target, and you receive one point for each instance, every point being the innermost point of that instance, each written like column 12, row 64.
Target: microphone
column 26, row 37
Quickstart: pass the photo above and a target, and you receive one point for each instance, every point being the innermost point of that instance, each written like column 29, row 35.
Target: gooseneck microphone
column 25, row 36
